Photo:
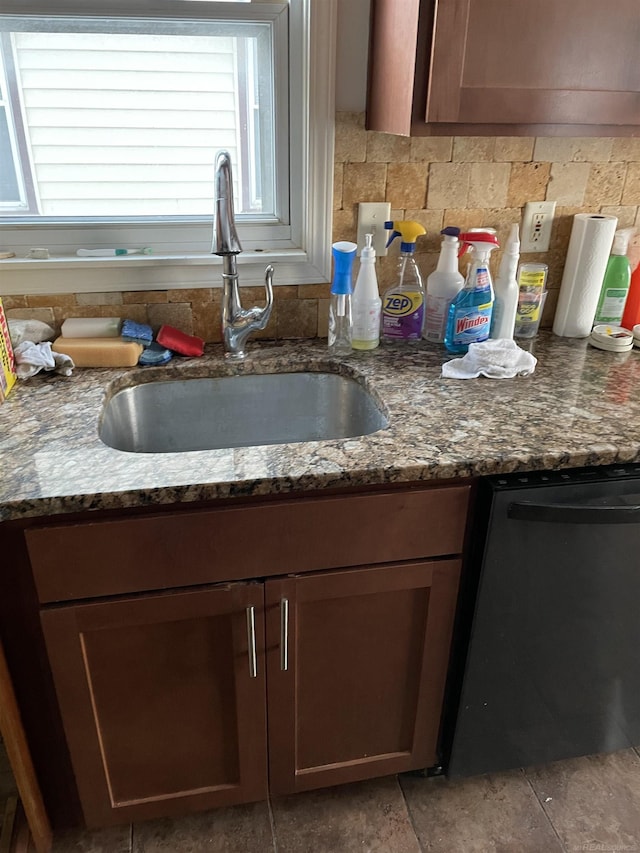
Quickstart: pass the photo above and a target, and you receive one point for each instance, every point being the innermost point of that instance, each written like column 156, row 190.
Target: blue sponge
column 139, row 333
column 155, row 354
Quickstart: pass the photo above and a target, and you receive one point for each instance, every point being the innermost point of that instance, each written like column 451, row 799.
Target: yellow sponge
column 99, row 352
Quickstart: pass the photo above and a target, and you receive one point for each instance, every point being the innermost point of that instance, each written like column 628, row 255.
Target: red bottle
column 631, row 316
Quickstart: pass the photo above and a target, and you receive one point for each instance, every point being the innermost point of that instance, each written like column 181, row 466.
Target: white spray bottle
column 366, row 302
column 443, row 285
column 505, row 304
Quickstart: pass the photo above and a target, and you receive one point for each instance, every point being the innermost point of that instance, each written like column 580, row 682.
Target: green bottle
column 617, row 279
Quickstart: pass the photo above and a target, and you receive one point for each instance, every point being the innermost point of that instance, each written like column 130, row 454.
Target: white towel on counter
column 495, row 359
column 31, row 358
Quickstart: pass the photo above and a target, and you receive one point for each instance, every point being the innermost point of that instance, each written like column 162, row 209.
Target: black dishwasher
column 551, row 669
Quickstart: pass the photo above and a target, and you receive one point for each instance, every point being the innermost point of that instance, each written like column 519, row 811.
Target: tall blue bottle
column 469, row 319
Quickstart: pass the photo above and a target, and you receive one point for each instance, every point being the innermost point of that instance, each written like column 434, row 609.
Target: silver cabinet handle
column 251, row 635
column 284, row 634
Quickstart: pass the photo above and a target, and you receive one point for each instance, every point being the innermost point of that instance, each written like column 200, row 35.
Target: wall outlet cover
column 537, row 222
column 371, row 219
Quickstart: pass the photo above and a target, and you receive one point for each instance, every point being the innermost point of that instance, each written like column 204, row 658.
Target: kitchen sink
column 238, row 411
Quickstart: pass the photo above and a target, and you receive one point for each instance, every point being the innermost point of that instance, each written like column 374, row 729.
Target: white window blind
column 125, row 124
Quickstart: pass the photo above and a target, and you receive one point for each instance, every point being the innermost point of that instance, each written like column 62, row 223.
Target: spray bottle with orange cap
column 469, row 318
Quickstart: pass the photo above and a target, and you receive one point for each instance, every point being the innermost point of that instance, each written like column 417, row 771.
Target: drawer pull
column 284, row 634
column 251, row 635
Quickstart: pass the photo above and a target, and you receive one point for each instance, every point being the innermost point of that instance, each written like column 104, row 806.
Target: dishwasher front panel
column 553, row 664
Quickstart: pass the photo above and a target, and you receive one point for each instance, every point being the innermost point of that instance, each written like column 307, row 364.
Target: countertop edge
column 203, row 492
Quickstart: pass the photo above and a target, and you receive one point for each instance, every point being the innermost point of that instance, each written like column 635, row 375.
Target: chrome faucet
column 237, row 322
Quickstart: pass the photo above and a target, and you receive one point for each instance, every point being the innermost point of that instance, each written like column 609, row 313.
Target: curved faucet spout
column 225, row 237
column 237, row 322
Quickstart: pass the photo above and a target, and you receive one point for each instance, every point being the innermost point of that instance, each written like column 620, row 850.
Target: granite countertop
column 580, row 407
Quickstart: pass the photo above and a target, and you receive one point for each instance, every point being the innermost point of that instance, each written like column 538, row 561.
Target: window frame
column 22, row 162
column 298, row 247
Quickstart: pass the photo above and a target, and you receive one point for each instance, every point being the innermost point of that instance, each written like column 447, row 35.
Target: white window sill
column 20, row 276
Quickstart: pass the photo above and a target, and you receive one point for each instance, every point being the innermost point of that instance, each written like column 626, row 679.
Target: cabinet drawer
column 176, row 549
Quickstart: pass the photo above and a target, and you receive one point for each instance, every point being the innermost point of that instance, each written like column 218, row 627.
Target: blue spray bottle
column 340, row 318
column 470, row 312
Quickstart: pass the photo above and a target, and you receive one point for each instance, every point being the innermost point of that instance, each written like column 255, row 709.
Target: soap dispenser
column 366, row 301
column 617, row 278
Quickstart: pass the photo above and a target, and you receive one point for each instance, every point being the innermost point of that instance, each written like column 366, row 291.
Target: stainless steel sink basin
column 238, row 411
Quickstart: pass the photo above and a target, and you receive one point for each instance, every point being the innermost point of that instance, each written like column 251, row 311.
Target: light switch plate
column 537, row 222
column 371, row 219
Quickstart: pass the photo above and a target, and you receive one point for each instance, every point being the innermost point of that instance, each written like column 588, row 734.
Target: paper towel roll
column 584, row 269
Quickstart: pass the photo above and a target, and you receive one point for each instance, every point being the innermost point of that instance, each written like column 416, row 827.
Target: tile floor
column 585, row 804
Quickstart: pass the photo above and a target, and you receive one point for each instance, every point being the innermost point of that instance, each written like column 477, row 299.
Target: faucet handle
column 265, row 312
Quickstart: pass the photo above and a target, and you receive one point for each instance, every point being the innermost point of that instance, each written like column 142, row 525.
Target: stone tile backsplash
column 195, row 311
column 463, row 181
column 482, row 181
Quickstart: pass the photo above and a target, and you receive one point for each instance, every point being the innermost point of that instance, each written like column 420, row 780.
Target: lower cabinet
column 185, row 700
column 356, row 669
column 160, row 709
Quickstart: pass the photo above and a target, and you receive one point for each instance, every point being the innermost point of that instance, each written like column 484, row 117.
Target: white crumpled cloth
column 32, row 358
column 495, row 359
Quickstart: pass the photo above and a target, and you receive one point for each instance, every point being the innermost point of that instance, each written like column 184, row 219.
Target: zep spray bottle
column 469, row 318
column 403, row 303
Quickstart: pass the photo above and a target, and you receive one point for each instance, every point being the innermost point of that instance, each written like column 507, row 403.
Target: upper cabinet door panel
column 392, row 64
column 546, row 62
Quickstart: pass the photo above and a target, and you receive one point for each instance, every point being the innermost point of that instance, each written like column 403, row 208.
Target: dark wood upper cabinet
column 494, row 67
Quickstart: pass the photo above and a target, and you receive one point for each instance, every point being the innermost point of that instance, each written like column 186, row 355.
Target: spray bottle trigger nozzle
column 393, row 236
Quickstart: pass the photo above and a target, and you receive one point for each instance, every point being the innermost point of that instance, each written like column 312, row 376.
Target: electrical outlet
column 536, row 226
column 371, row 219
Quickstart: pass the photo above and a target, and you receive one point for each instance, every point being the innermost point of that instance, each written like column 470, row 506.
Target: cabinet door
column 163, row 707
column 546, row 62
column 356, row 669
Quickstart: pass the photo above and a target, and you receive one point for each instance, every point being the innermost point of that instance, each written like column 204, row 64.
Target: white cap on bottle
column 368, row 253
